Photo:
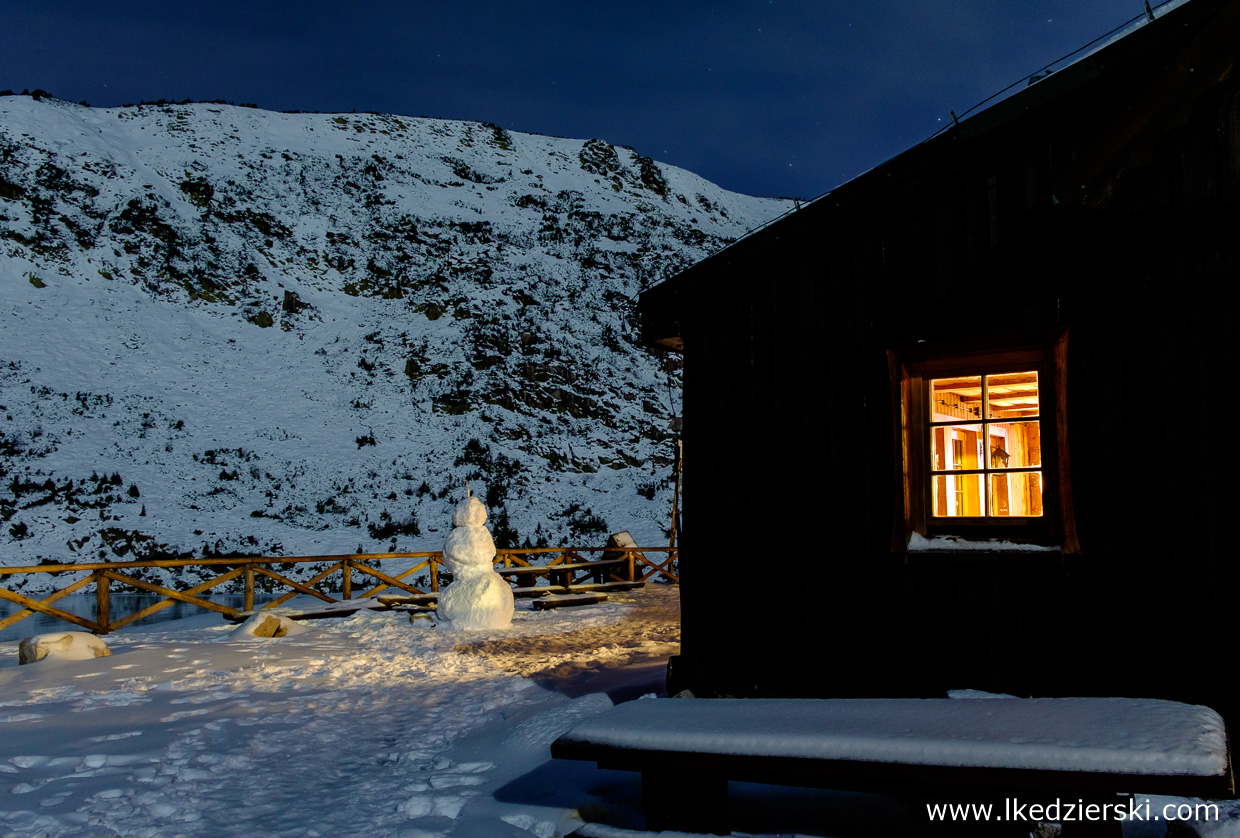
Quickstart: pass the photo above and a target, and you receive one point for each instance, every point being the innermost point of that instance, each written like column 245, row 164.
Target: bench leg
column 686, row 802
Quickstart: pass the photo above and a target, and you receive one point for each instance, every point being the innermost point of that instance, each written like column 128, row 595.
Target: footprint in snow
column 444, row 806
column 182, row 714
column 26, row 788
column 112, row 737
column 447, row 781
column 29, row 761
column 21, row 717
column 201, row 698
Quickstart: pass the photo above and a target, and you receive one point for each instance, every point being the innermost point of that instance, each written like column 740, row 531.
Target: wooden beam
column 47, row 600
column 169, row 593
column 103, row 592
column 224, row 562
column 975, row 395
column 297, row 587
column 956, row 383
column 389, row 581
column 31, row 606
column 429, row 563
column 162, row 604
column 663, row 567
column 1067, row 511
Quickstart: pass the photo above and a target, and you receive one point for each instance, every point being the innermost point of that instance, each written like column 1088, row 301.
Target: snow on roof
column 1118, row 735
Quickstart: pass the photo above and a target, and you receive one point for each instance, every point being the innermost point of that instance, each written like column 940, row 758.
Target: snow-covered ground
column 370, row 725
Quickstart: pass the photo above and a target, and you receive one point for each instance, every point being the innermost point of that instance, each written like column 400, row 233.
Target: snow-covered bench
column 1073, row 748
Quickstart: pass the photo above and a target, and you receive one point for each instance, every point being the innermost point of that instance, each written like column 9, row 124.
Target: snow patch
column 63, row 645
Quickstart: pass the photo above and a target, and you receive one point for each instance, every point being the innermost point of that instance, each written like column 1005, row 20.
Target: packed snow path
column 367, row 725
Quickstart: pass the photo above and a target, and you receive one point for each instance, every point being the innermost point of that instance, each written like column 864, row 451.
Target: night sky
column 766, row 97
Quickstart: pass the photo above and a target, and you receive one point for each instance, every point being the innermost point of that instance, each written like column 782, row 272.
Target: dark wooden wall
column 789, row 583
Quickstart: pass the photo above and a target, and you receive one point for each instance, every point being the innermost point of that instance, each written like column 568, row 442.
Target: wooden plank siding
column 793, row 335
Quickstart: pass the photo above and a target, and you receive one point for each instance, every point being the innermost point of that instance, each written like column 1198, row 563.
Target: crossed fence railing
column 563, row 567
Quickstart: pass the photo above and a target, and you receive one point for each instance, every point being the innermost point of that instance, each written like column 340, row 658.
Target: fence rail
column 617, row 564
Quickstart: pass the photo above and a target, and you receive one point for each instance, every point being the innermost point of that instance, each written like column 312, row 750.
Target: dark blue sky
column 768, row 97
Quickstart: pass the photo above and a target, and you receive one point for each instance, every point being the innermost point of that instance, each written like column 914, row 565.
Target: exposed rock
column 269, row 625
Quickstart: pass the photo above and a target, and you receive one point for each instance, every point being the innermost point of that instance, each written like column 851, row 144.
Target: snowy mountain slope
column 302, row 333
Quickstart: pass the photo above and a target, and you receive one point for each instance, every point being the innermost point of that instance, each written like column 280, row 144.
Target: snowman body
column 478, row 597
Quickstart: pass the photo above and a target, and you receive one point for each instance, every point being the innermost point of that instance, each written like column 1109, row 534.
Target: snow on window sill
column 918, row 543
column 952, row 549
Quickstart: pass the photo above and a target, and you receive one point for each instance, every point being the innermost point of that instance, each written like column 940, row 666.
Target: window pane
column 958, row 496
column 1015, row 445
column 1012, row 395
column 1018, row 494
column 956, row 447
column 956, row 398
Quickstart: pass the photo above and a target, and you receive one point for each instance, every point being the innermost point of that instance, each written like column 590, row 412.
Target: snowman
column 478, row 597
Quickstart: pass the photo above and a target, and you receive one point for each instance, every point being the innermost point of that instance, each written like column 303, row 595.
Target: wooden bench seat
column 407, row 599
column 567, row 601
column 538, row 591
column 1076, row 749
column 562, row 574
column 588, row 587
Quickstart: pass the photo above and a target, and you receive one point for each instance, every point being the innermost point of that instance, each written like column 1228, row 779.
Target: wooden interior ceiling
column 1012, row 395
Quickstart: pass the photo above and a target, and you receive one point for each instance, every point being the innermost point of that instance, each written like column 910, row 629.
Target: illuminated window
column 985, row 446
column 982, row 444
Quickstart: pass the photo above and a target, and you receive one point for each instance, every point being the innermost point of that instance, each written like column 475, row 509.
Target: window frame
column 984, row 470
column 1055, row 527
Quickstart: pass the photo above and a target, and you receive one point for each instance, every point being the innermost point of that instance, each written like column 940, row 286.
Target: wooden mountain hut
column 965, row 421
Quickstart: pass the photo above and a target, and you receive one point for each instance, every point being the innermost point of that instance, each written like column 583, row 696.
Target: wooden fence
column 565, row 565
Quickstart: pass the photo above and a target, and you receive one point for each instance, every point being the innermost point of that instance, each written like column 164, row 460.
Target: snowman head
column 469, row 513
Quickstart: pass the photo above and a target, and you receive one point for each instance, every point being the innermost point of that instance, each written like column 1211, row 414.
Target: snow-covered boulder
column 269, row 625
column 62, row 645
column 478, row 597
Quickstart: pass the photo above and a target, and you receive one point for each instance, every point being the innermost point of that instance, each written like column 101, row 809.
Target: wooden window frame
column 911, row 376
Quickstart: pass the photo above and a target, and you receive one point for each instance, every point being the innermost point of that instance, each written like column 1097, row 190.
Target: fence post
column 433, row 564
column 346, row 569
column 103, row 587
column 248, row 576
column 629, row 555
